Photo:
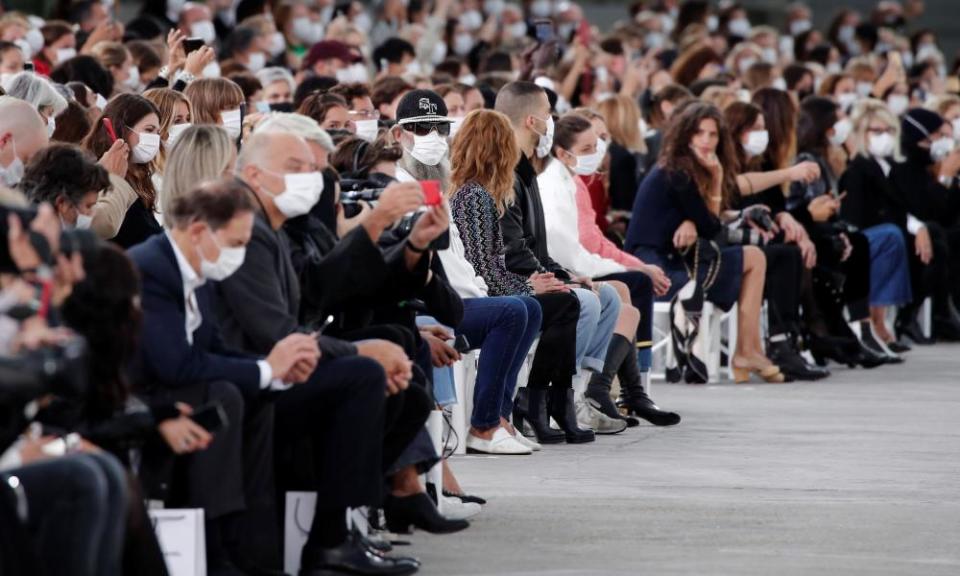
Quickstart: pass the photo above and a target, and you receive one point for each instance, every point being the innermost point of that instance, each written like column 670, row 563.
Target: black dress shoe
column 898, row 347
column 912, row 331
column 465, row 497
column 792, row 364
column 945, row 329
column 418, row 510
column 352, row 557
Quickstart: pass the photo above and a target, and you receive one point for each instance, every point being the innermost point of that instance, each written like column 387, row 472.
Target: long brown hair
column 676, row 155
column 740, row 117
column 124, row 111
column 485, row 152
column 686, row 70
column 780, row 115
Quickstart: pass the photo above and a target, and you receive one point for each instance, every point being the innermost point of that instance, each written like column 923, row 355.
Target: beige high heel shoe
column 770, row 374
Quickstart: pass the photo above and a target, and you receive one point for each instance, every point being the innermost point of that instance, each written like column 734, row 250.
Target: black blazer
column 925, row 197
column 524, row 229
column 139, row 223
column 260, row 303
column 872, row 198
column 167, row 360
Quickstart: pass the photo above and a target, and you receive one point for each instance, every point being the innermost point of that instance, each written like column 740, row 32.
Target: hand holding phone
column 192, row 45
column 431, row 192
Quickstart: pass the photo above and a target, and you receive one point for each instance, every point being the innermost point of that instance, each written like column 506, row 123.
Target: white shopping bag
column 297, row 519
column 182, row 540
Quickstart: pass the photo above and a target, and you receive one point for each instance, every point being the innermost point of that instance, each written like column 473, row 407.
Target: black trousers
column 782, row 287
column 931, row 279
column 835, row 284
column 641, row 296
column 556, row 357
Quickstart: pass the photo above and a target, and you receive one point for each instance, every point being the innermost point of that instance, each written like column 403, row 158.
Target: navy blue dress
column 665, row 199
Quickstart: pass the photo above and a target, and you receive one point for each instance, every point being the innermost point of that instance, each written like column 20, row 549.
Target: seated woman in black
column 787, row 252
column 926, row 180
column 842, row 275
column 679, row 202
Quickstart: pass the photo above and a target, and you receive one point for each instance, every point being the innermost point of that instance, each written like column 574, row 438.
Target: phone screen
column 192, row 44
column 544, row 31
column 431, row 192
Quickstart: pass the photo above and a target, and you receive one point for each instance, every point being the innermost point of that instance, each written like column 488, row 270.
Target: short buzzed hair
column 516, row 100
column 214, row 203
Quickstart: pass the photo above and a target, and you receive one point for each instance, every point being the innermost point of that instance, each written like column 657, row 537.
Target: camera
column 760, row 216
column 740, row 233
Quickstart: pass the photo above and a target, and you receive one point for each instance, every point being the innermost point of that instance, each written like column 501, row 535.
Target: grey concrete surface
column 857, row 474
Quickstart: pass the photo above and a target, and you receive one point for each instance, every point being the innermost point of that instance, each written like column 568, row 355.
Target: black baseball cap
column 421, row 106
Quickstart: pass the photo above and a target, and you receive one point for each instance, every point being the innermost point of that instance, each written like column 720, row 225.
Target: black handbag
column 686, row 309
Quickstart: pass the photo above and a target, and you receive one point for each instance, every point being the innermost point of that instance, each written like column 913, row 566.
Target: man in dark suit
column 185, row 359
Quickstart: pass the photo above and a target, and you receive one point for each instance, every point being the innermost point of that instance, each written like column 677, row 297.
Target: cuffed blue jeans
column 503, row 328
column 598, row 318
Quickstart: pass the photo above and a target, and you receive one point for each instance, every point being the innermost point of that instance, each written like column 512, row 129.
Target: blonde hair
column 110, row 54
column 940, row 104
column 202, row 153
column 866, row 111
column 485, row 152
column 166, row 101
column 211, row 96
column 622, row 115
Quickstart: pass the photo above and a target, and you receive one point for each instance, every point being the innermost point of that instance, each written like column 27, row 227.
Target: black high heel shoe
column 536, row 416
column 562, row 409
column 419, row 511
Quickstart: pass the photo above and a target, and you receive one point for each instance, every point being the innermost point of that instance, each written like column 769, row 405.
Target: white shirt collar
column 191, row 280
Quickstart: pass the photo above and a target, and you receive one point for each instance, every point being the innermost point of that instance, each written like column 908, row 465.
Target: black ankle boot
column 418, row 510
column 598, row 389
column 782, row 352
column 634, row 400
column 536, row 417
column 563, row 409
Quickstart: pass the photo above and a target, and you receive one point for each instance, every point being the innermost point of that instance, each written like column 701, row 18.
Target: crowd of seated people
column 245, row 244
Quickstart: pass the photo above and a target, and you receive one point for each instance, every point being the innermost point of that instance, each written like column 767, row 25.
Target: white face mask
column 642, row 127
column 355, row 73
column 847, row 100
column 956, row 127
column 13, row 173
column 174, row 132
column 779, row 83
column 64, row 54
column 493, row 7
column 232, row 122
column 898, row 103
column 101, row 102
column 841, row 131
column 462, row 44
column 541, row 8
column 35, row 38
column 546, row 139
column 455, row 127
column 517, row 30
column 51, row 126
column 301, row 192
column 798, row 27
column 24, row 47
column 769, row 55
column 654, row 40
column 277, row 44
column 471, row 20
column 84, row 221
column 147, row 148
column 468, row 79
column 414, row 68
column 746, row 63
column 743, row 95
column 133, row 80
column 713, row 23
column 204, row 30
column 363, row 22
column 739, row 27
column 881, row 145
column 229, row 261
column 429, row 150
column 845, row 34
column 834, row 68
column 589, row 163
column 367, row 129
column 941, row 148
column 439, row 53
column 211, row 70
column 307, row 31
column 257, row 61
column 757, row 142
column 864, row 89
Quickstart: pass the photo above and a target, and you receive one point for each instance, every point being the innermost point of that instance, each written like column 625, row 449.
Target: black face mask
column 281, row 107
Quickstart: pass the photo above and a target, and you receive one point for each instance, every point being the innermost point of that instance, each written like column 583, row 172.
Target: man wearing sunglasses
column 422, row 130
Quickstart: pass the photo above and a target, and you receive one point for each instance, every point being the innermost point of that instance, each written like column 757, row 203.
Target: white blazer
column 558, row 192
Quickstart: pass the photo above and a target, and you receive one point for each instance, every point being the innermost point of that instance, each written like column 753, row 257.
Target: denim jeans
column 78, row 507
column 503, row 328
column 598, row 318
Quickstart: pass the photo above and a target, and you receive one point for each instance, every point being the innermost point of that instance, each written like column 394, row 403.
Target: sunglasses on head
column 424, row 128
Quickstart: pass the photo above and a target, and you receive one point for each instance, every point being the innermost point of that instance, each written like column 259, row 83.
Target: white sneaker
column 457, row 509
column 529, row 443
column 501, row 443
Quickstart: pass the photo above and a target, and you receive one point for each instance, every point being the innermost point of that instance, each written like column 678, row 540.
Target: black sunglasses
column 424, row 128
